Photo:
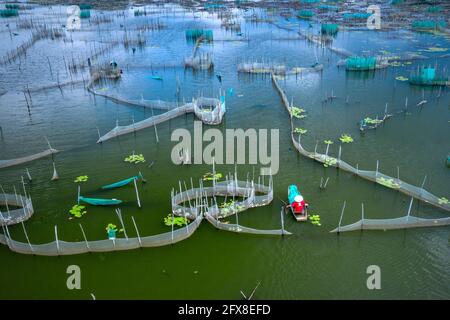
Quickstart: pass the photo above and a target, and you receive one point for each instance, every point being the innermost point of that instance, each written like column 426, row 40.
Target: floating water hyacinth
column 328, row 142
column 298, row 112
column 111, row 227
column 390, row 183
column 230, row 207
column 401, row 78
column 135, row 158
column 315, row 219
column 443, row 200
column 209, row 176
column 330, row 161
column 175, row 220
column 81, row 179
column 78, row 211
column 300, row 130
column 345, row 138
column 372, row 121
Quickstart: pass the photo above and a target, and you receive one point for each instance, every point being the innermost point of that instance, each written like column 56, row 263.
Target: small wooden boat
column 303, row 216
column 300, row 217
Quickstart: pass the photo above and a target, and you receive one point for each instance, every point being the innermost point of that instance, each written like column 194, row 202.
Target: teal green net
column 361, row 63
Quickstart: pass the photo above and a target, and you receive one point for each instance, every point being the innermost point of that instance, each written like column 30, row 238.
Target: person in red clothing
column 299, row 205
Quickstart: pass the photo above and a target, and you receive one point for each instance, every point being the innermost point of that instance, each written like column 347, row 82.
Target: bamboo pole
column 56, row 238
column 137, row 193
column 119, row 215
column 84, row 236
column 137, row 231
column 340, row 219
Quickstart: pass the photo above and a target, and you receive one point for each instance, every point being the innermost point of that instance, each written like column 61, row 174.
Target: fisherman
column 299, row 205
column 296, row 201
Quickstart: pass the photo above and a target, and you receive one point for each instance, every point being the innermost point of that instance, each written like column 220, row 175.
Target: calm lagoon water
column 212, row 264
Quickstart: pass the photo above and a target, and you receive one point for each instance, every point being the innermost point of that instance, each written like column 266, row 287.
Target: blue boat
column 100, row 202
column 120, row 183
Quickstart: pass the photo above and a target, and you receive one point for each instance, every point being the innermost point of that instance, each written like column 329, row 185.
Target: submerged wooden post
column 84, row 236
column 137, row 231
column 137, row 193
column 78, row 197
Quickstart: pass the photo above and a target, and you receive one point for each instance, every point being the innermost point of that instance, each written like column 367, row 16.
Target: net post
column 56, row 238
column 362, row 215
column 5, row 231
column 376, row 172
column 340, row 219
column 172, row 227
column 409, row 209
column 78, row 192
column 137, row 193
column 23, row 185
column 119, row 215
column 282, row 222
column 137, row 231
column 84, row 236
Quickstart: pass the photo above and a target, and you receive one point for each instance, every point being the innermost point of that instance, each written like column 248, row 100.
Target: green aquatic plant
column 372, row 121
column 329, row 161
column 345, row 138
column 175, row 220
column 300, row 130
column 230, row 207
column 111, row 227
column 315, row 219
column 298, row 112
column 390, row 183
column 443, row 200
column 328, row 142
column 135, row 158
column 210, row 176
column 81, row 179
column 78, row 211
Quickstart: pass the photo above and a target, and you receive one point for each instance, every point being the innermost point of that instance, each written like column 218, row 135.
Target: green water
column 212, row 264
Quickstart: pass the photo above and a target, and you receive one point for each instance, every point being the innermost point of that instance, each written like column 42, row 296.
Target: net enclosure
column 17, row 161
column 202, row 203
column 418, row 193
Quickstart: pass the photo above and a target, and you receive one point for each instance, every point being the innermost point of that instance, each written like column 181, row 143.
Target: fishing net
column 208, row 110
column 329, row 29
column 59, row 247
column 427, row 76
column 393, row 183
column 14, row 216
column 361, row 63
column 17, row 161
column 428, row 24
column 392, row 224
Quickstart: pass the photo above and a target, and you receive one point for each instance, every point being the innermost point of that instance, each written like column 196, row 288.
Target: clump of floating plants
column 135, row 158
column 330, row 161
column 77, row 211
column 81, row 179
column 346, row 138
column 298, row 113
column 210, row 176
column 401, row 78
column 390, row 183
column 315, row 219
column 443, row 200
column 175, row 220
column 328, row 142
column 300, row 130
column 229, row 207
column 369, row 120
